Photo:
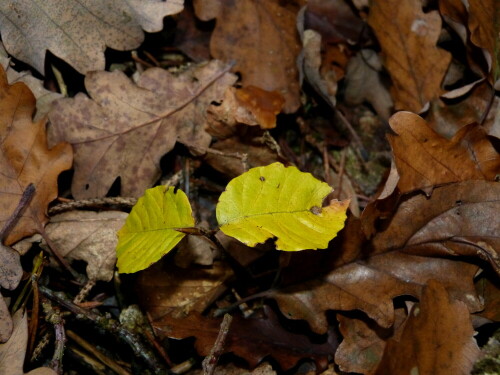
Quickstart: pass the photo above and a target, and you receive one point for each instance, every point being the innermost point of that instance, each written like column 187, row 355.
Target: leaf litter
column 400, row 289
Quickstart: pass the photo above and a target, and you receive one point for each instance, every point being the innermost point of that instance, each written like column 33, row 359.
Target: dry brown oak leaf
column 437, row 339
column 419, row 243
column 408, row 38
column 261, row 36
column 484, row 28
column 253, row 339
column 124, row 128
column 79, row 31
column 25, row 159
column 425, row 159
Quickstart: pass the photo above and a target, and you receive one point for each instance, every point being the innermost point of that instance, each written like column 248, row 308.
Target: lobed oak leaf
column 425, row 159
column 124, row 129
column 417, row 244
column 261, row 35
column 78, row 32
column 25, row 159
column 408, row 38
column 438, row 338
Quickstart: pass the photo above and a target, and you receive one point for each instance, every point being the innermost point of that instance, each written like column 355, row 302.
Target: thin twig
column 341, row 172
column 53, row 316
column 96, row 353
column 92, row 203
column 113, row 327
column 210, row 361
column 24, row 202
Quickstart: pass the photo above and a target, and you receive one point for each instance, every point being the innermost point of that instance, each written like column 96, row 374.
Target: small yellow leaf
column 150, row 230
column 275, row 201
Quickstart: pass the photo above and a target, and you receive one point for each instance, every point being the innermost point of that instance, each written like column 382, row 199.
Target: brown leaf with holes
column 425, row 159
column 25, row 159
column 252, row 339
column 484, row 29
column 262, row 39
column 79, row 32
column 418, row 243
column 438, row 338
column 124, row 129
column 408, row 38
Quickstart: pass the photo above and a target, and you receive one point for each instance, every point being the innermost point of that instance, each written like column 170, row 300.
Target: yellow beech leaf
column 275, row 201
column 150, row 230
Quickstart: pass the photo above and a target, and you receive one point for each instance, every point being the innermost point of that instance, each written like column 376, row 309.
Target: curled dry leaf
column 457, row 220
column 79, row 32
column 363, row 83
column 13, row 351
column 88, row 236
column 145, row 119
column 25, row 159
column 250, row 105
column 261, row 35
column 484, row 28
column 438, row 338
column 408, row 38
column 469, row 155
column 10, row 276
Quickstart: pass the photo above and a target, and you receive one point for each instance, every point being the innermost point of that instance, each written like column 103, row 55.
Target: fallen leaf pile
column 222, row 115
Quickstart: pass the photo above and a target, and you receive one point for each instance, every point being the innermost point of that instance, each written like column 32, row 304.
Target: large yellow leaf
column 150, row 230
column 275, row 201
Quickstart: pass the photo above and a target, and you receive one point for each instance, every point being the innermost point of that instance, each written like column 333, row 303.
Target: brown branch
column 210, row 361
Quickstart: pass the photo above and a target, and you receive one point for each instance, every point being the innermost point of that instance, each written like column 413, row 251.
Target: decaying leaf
column 275, row 201
column 25, row 159
column 425, row 159
column 10, row 276
column 261, row 36
column 415, row 246
column 438, row 338
column 125, row 129
column 12, row 353
column 408, row 38
column 79, row 32
column 150, row 230
column 252, row 339
column 89, row 236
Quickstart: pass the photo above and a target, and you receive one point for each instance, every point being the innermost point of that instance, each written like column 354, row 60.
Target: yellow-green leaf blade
column 150, row 230
column 275, row 201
